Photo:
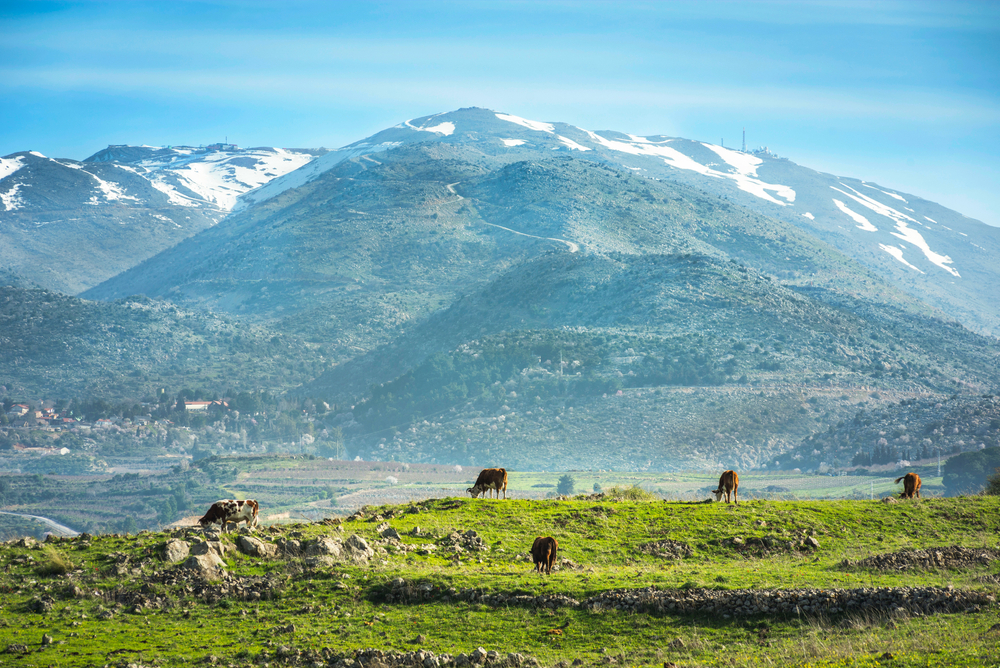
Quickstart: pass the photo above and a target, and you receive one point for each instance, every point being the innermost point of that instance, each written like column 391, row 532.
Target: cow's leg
column 735, row 500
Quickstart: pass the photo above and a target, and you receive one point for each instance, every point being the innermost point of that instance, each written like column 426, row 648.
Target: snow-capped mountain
column 68, row 225
column 936, row 254
column 218, row 175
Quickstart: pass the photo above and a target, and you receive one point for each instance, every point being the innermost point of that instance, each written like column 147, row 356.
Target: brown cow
column 911, row 485
column 231, row 510
column 488, row 481
column 543, row 553
column 727, row 483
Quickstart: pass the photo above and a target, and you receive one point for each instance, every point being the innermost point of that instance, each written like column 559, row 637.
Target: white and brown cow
column 543, row 553
column 911, row 485
column 488, row 481
column 728, row 482
column 230, row 510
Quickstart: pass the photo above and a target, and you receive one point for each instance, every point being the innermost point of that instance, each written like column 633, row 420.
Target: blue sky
column 906, row 94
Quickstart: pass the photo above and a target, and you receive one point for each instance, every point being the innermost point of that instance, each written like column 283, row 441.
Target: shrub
column 634, row 493
column 53, row 562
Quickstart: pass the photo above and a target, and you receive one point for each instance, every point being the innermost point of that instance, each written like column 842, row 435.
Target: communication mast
column 744, row 140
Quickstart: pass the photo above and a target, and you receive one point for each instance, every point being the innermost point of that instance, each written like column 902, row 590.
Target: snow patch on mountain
column 445, row 128
column 875, row 206
column 36, row 154
column 531, row 125
column 571, row 144
column 903, row 230
column 309, row 171
column 898, row 254
column 809, row 216
column 744, row 163
column 909, row 234
column 11, row 199
column 932, row 220
column 510, row 143
column 678, row 160
column 10, row 165
column 112, row 191
column 863, row 223
column 886, row 192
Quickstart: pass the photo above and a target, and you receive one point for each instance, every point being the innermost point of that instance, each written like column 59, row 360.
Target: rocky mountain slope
column 67, row 225
column 931, row 252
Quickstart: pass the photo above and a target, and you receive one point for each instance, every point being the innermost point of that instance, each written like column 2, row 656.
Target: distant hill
column 57, row 346
column 67, row 225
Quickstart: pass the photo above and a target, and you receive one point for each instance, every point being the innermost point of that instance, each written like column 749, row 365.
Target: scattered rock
column 668, row 549
column 954, row 557
column 46, row 640
column 208, row 565
column 811, row 542
column 215, row 547
column 468, row 540
column 289, row 547
column 175, row 550
column 41, row 605
column 16, row 648
column 357, row 548
column 255, row 547
column 324, row 546
column 890, row 499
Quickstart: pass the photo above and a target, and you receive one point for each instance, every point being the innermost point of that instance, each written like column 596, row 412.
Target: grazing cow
column 911, row 485
column 727, row 483
column 543, row 553
column 488, row 481
column 230, row 510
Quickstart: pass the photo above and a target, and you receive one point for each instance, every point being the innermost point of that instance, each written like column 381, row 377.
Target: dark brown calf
column 488, row 481
column 911, row 485
column 543, row 553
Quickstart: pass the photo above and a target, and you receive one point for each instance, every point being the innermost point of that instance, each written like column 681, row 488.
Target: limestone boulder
column 255, row 547
column 175, row 550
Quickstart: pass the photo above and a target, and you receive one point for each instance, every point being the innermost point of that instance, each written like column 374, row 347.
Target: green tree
column 993, row 483
column 967, row 473
column 567, row 485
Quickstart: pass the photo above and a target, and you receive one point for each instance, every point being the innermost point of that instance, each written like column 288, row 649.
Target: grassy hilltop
column 447, row 576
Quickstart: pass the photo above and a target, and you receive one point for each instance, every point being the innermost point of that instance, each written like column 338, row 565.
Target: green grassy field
column 345, row 606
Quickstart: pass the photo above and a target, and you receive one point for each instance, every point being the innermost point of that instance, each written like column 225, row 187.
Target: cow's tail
column 899, row 478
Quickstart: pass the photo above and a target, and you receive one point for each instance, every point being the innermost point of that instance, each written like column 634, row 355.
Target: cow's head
column 719, row 493
column 475, row 491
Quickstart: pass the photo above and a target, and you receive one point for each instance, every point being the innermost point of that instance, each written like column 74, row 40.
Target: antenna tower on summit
column 744, row 140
